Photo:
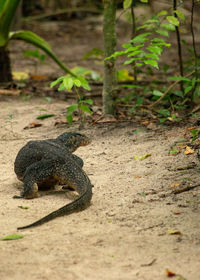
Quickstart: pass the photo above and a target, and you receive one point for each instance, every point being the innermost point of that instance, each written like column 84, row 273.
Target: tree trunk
column 109, row 84
column 5, row 69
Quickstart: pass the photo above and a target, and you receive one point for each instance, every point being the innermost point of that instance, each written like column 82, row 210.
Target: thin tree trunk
column 179, row 47
column 109, row 85
column 5, row 69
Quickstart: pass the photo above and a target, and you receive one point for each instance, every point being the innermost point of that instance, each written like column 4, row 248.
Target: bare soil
column 135, row 228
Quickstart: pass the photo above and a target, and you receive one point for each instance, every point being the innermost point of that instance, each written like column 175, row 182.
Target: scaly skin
column 50, row 162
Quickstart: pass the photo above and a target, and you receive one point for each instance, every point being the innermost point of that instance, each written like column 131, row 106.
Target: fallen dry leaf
column 170, row 273
column 176, row 212
column 39, row 77
column 174, row 231
column 60, row 122
column 188, row 151
column 32, row 125
column 175, row 185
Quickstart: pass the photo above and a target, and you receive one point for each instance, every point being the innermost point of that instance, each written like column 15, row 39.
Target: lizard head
column 73, row 140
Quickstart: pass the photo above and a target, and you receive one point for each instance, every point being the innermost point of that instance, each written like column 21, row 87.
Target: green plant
column 68, row 82
column 11, row 121
column 7, row 11
column 194, row 134
column 36, row 56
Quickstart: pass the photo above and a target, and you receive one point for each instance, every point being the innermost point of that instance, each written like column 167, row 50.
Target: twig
column 149, row 264
column 169, row 88
column 185, row 189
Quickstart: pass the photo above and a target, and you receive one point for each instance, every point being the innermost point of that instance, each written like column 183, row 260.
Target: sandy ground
column 125, row 233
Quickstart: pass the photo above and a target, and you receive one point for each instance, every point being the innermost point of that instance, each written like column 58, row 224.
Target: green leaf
column 188, row 89
column 164, row 112
column 69, row 118
column 88, row 101
column 34, row 53
column 142, row 157
column 44, row 116
column 144, row 1
column 127, row 4
column 60, row 79
column 155, row 49
column 68, row 82
column 34, row 39
column 77, row 82
column 134, row 53
column 138, row 64
column 94, row 52
column 178, row 93
column 162, row 32
column 168, row 26
column 84, row 83
column 152, row 63
column 193, row 82
column 140, row 38
column 124, row 75
column 173, row 20
column 85, row 108
column 157, row 93
column 179, row 14
column 7, row 12
column 72, row 108
column 165, row 67
column 179, row 78
column 154, row 20
column 162, row 13
column 61, row 87
column 130, row 61
column 23, row 207
column 12, row 237
column 131, row 86
column 145, row 26
column 152, row 55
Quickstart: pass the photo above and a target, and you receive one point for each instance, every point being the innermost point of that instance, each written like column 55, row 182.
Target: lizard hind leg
column 35, row 173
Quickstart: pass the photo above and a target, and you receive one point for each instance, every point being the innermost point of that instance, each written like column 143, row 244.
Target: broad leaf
column 157, row 93
column 85, row 109
column 34, row 39
column 68, row 82
column 180, row 14
column 88, row 101
column 162, row 32
column 84, row 83
column 140, row 38
column 7, row 11
column 162, row 13
column 152, row 63
column 173, row 20
column 127, row 4
column 72, row 108
column 155, row 49
column 168, row 26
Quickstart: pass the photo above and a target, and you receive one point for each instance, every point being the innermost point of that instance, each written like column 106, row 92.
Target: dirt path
column 124, row 234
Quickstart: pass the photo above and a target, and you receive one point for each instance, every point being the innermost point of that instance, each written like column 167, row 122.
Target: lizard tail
column 75, row 206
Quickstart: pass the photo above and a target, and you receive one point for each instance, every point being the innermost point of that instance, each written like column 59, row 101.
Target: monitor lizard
column 49, row 162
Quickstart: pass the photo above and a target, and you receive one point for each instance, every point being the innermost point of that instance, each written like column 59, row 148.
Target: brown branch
column 169, row 88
